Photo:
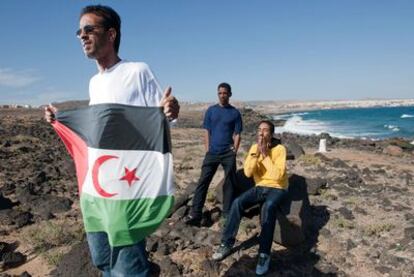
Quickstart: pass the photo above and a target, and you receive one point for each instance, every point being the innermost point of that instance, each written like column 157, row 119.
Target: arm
column 250, row 164
column 237, row 139
column 206, row 139
column 207, row 127
column 238, row 128
column 275, row 163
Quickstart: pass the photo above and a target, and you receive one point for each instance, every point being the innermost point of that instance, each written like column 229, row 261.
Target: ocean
column 373, row 123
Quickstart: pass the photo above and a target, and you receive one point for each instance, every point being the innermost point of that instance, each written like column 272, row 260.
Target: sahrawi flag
column 124, row 168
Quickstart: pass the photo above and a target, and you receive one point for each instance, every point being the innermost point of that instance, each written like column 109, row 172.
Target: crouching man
column 266, row 162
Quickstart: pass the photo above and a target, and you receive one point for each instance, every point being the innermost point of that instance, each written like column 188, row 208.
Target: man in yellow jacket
column 266, row 163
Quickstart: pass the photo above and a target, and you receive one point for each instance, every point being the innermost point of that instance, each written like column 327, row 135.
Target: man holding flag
column 111, row 136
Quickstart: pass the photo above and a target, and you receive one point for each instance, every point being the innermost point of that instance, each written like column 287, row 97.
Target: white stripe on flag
column 154, row 172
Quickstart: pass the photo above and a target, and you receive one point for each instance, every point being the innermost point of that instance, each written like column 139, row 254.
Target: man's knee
column 100, row 250
column 269, row 210
column 131, row 261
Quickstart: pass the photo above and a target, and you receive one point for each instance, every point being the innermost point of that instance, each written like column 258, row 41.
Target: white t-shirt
column 129, row 83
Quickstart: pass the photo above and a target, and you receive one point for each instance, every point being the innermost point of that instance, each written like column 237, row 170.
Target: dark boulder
column 294, row 150
column 313, row 185
column 77, row 262
column 5, row 203
column 15, row 217
column 12, row 259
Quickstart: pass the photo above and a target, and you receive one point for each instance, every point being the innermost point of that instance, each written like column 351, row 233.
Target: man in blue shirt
column 223, row 124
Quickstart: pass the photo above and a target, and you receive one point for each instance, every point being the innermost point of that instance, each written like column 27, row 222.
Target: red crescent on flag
column 95, row 170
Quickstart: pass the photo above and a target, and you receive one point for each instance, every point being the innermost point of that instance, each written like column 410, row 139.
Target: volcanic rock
column 12, row 259
column 393, row 150
column 77, row 262
column 5, row 203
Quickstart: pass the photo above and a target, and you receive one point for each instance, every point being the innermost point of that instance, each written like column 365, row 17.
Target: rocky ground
column 359, row 216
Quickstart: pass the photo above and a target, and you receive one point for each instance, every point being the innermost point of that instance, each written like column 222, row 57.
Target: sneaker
column 192, row 220
column 263, row 264
column 222, row 252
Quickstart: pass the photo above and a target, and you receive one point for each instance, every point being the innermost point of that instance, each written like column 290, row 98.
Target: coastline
column 296, row 119
column 281, row 107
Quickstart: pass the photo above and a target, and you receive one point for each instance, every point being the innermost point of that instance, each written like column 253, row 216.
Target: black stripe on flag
column 120, row 127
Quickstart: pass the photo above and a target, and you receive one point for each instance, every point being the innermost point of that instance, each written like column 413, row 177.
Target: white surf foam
column 296, row 124
column 407, row 116
column 393, row 128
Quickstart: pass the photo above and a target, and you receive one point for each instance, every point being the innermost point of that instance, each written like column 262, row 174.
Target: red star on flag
column 129, row 176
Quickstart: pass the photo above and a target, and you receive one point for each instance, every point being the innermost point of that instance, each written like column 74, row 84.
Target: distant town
column 17, row 106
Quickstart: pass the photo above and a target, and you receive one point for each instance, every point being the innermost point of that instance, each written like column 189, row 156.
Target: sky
column 266, row 49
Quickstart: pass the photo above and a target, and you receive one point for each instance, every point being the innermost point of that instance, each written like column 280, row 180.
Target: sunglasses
column 88, row 29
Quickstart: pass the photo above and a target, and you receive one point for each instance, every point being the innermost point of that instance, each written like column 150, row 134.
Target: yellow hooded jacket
column 269, row 171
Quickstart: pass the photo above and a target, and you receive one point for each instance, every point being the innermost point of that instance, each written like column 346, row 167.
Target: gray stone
column 5, row 203
column 15, row 217
column 13, row 259
column 315, row 185
column 391, row 260
column 360, row 211
column 350, row 245
column 180, row 199
column 39, row 178
column 294, row 150
column 347, row 214
column 337, row 163
column 383, row 269
column 163, row 249
column 409, row 233
column 395, row 273
column 393, row 150
column 325, row 233
column 180, row 213
column 169, row 268
column 409, row 217
column 325, row 269
column 77, row 262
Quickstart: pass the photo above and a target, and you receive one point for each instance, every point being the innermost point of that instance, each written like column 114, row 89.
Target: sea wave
column 393, row 128
column 376, row 123
column 288, row 115
column 297, row 125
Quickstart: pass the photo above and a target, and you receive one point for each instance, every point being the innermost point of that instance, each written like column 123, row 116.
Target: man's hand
column 170, row 104
column 50, row 112
column 263, row 145
column 259, row 145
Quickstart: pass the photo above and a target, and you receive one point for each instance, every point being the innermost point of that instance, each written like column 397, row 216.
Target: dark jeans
column 208, row 169
column 270, row 198
column 120, row 261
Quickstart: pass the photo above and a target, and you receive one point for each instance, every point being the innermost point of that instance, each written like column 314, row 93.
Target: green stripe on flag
column 125, row 221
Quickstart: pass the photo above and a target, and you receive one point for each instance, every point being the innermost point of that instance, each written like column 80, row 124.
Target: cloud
column 17, row 79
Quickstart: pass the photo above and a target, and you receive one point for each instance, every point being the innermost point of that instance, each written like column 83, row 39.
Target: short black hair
column 110, row 19
column 270, row 124
column 225, row 85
